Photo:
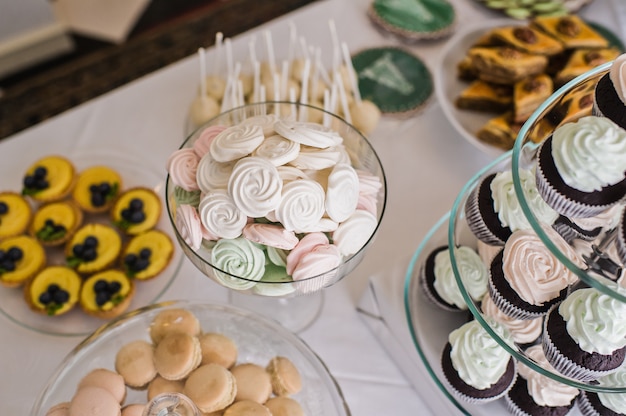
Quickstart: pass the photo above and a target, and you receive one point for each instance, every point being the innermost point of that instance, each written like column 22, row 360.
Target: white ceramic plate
column 76, row 322
column 448, row 86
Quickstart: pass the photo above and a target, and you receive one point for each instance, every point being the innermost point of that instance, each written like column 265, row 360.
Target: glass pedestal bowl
column 275, row 292
column 257, row 339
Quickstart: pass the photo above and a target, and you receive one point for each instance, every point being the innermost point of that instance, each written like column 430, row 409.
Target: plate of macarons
column 219, row 358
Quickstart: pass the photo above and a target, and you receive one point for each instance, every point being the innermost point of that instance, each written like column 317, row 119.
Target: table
column 426, row 163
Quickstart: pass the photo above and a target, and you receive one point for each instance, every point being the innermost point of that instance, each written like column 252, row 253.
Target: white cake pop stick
column 293, row 40
column 276, row 87
column 333, row 98
column 262, row 99
column 219, row 39
column 240, row 98
column 304, row 92
column 351, row 73
column 315, row 76
column 234, row 98
column 343, row 98
column 202, row 59
column 284, row 78
column 256, row 81
column 327, row 109
column 335, row 40
column 304, row 48
column 252, row 50
column 270, row 51
column 226, row 104
column 229, row 55
column 292, row 99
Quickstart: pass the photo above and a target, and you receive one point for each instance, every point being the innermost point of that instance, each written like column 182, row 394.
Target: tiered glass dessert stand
column 430, row 325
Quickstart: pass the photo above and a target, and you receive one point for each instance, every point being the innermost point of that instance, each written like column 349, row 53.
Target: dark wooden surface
column 167, row 32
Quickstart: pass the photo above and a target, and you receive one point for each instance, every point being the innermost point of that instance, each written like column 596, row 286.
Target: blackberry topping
column 87, row 251
column 53, row 298
column 136, row 263
column 106, row 291
column 9, row 258
column 51, row 231
column 101, row 193
column 36, row 182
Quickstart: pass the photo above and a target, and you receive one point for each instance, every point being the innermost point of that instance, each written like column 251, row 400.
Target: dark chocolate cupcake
column 610, row 94
column 620, row 237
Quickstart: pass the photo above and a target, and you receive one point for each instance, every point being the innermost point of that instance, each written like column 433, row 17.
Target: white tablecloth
column 426, row 163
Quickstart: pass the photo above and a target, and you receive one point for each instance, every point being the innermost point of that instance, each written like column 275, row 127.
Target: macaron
column 253, row 382
column 61, row 409
column 218, row 349
column 94, row 401
column 135, row 362
column 284, row 406
column 134, row 409
column 177, row 355
column 173, row 320
column 161, row 385
column 247, row 408
column 285, row 377
column 108, row 380
column 211, row 387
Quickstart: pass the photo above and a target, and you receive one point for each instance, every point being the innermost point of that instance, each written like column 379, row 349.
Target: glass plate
column 76, row 322
column 257, row 339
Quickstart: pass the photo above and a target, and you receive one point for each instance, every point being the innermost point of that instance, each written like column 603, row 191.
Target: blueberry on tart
column 106, row 294
column 136, row 210
column 93, row 248
column 96, row 189
column 21, row 258
column 15, row 214
column 147, row 254
column 53, row 291
column 54, row 223
column 51, row 178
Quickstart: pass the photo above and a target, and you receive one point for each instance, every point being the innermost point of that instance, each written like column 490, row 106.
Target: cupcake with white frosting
column 581, row 167
column 585, row 336
column 610, row 93
column 475, row 366
column 601, row 404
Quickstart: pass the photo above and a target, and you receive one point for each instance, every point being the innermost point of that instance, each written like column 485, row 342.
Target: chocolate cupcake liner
column 507, row 307
column 513, row 408
column 620, row 238
column 563, row 364
column 585, row 406
column 560, row 203
column 476, row 222
column 427, row 291
column 476, row 400
column 570, row 231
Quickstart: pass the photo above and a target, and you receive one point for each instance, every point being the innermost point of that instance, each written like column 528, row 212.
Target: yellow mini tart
column 54, row 223
column 53, row 291
column 137, row 210
column 107, row 294
column 15, row 214
column 49, row 179
column 21, row 258
column 96, row 189
column 94, row 247
column 146, row 255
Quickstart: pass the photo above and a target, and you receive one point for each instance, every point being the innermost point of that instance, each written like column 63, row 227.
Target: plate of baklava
column 491, row 77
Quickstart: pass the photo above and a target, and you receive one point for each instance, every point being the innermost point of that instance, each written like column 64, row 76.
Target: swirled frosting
column 352, row 234
column 471, row 268
column 316, row 159
column 240, row 259
column 278, row 150
column 308, row 134
column 236, row 141
column 213, row 175
column 255, row 186
column 508, row 206
column 220, row 216
column 544, row 390
column 590, row 154
column 301, row 206
column 476, row 356
column 524, row 331
column 202, row 145
column 289, row 173
column 182, row 166
column 615, row 402
column 617, row 73
column 596, row 321
column 532, row 270
column 189, row 225
column 342, row 192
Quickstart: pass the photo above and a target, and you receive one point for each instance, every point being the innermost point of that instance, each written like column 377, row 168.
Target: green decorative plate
column 395, row 80
column 527, row 9
column 414, row 19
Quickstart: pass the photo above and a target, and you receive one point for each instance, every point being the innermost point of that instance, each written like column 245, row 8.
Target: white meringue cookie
column 278, row 150
column 220, row 216
column 309, row 134
column 212, row 175
column 325, row 225
column 236, row 142
column 316, row 159
column 352, row 234
column 265, row 121
column 342, row 192
column 301, row 206
column 255, row 186
column 290, row 173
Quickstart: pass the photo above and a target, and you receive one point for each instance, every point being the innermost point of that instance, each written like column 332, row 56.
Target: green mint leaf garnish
column 113, row 192
column 73, row 261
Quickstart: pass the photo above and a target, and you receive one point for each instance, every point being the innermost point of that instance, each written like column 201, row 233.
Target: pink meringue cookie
column 270, row 235
column 203, row 143
column 322, row 259
column 182, row 166
column 305, row 245
column 189, row 226
column 369, row 203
